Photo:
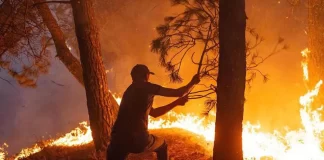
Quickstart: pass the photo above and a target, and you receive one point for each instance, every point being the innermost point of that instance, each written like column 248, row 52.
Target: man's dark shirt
column 132, row 119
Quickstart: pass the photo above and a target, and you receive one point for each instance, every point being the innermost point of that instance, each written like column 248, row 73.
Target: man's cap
column 140, row 69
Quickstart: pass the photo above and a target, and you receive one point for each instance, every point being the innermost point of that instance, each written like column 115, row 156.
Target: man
column 130, row 133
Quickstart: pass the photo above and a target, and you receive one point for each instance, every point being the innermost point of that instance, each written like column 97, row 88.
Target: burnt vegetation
column 194, row 34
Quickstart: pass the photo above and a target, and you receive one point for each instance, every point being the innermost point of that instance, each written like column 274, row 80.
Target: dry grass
column 183, row 145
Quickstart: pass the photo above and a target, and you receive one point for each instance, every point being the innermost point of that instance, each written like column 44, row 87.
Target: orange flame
column 78, row 136
column 301, row 144
column 305, row 53
column 3, row 152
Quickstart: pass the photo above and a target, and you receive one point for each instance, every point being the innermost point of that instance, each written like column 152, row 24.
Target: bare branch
column 204, row 50
column 63, row 2
column 57, row 83
column 210, row 89
column 200, row 96
column 8, row 82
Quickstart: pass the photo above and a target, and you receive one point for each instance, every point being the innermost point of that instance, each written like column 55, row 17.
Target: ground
column 182, row 145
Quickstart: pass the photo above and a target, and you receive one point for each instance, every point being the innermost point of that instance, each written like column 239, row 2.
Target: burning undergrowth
column 182, row 146
column 194, row 136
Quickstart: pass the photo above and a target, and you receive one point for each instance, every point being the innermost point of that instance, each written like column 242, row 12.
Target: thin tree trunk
column 230, row 81
column 63, row 52
column 103, row 109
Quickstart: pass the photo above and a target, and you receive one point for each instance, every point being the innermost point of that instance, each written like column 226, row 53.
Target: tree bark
column 96, row 86
column 230, row 81
column 315, row 43
column 103, row 107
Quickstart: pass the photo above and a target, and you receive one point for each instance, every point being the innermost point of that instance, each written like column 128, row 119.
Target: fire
column 78, row 136
column 305, row 53
column 118, row 99
column 301, row 144
column 3, row 153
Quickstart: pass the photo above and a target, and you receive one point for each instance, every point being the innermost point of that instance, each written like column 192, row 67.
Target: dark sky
column 26, row 115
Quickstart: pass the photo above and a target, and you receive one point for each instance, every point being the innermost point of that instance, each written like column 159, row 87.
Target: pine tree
column 231, row 80
column 100, row 106
column 199, row 33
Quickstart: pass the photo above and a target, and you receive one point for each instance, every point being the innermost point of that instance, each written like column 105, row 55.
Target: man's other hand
column 195, row 79
column 182, row 100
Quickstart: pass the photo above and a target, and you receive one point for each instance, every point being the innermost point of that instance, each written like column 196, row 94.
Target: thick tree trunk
column 315, row 43
column 103, row 115
column 98, row 101
column 230, row 81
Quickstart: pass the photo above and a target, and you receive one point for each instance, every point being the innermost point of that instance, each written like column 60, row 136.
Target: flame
column 3, row 152
column 305, row 53
column 118, row 99
column 301, row 144
column 78, row 136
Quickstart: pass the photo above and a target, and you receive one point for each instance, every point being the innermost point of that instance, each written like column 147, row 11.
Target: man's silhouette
column 130, row 133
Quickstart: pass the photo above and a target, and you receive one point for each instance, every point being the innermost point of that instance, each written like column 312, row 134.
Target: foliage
column 196, row 30
column 23, row 42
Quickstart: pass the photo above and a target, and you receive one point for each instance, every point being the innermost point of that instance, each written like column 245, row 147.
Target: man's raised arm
column 169, row 92
column 157, row 112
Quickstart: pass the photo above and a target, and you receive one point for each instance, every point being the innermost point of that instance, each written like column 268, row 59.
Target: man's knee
column 115, row 153
column 163, row 147
column 162, row 152
column 109, row 154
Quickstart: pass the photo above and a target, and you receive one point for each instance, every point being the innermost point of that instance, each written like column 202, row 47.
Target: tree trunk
column 230, row 81
column 63, row 52
column 103, row 109
column 315, row 43
column 94, row 76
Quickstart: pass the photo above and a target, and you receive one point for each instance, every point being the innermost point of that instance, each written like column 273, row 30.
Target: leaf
column 265, row 78
column 162, row 29
column 169, row 19
column 175, row 77
column 169, row 67
column 156, row 44
column 209, row 105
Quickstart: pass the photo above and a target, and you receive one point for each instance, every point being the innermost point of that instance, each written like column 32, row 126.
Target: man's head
column 140, row 72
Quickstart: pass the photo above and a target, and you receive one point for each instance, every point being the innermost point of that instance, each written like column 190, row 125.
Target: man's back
column 134, row 109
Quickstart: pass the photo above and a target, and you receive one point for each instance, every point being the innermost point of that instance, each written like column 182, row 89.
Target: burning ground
column 194, row 137
column 182, row 145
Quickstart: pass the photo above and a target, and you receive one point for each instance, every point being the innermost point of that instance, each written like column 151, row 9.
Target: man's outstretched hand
column 182, row 100
column 195, row 79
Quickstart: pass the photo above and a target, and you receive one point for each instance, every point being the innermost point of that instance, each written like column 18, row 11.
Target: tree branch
column 39, row 3
column 8, row 82
column 57, row 83
column 200, row 96
column 204, row 50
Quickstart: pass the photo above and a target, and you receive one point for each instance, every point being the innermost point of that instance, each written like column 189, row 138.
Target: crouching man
column 130, row 132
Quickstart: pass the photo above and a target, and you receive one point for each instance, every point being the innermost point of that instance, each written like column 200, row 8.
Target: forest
column 246, row 79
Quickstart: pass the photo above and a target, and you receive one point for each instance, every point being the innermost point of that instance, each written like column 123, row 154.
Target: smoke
column 126, row 31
